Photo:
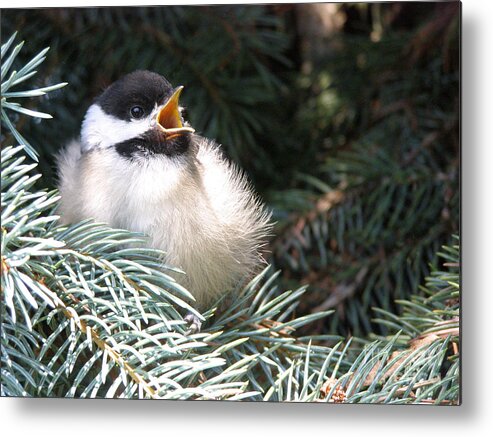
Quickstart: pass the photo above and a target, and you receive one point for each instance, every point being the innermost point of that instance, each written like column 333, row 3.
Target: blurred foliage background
column 345, row 117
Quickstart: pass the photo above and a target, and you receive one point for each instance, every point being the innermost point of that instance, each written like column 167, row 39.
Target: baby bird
column 140, row 167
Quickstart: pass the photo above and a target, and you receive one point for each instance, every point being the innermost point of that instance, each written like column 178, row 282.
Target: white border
column 78, row 417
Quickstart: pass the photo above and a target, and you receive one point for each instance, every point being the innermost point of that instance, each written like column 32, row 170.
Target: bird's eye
column 137, row 111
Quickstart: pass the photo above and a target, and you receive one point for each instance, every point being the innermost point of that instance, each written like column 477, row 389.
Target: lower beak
column 169, row 118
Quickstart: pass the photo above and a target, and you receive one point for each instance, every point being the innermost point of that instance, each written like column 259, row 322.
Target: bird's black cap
column 140, row 88
column 136, row 95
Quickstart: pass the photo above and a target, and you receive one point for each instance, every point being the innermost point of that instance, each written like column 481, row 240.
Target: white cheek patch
column 102, row 130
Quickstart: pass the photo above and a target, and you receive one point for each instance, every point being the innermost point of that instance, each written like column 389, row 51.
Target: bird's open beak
column 169, row 119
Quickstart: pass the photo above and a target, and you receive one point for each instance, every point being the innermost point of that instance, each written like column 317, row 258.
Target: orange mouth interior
column 169, row 118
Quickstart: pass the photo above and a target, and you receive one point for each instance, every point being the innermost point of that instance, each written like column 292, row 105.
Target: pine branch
column 382, row 193
column 420, row 363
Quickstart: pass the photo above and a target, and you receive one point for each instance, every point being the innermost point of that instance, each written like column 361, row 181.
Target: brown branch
column 342, row 292
column 95, row 338
column 114, row 355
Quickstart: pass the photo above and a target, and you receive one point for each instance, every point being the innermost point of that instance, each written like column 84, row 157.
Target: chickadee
column 140, row 167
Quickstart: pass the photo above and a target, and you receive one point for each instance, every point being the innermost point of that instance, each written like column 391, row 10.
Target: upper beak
column 169, row 119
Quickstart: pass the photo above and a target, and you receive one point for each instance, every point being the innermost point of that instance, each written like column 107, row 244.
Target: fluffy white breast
column 200, row 211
